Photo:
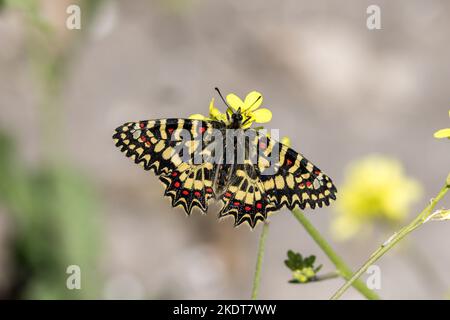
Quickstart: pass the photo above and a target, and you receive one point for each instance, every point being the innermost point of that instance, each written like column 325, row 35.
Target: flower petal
column 262, row 115
column 198, row 116
column 253, row 101
column 221, row 117
column 234, row 101
column 443, row 133
column 214, row 113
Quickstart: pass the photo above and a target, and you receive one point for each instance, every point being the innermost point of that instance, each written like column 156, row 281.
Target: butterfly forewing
column 168, row 147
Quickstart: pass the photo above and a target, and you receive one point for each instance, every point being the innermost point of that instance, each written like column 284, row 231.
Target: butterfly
column 200, row 160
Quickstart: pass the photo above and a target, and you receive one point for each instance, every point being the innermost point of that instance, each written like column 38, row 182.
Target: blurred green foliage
column 56, row 225
column 53, row 206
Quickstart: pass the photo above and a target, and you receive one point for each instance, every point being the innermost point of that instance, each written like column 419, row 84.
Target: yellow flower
column 248, row 108
column 443, row 133
column 375, row 189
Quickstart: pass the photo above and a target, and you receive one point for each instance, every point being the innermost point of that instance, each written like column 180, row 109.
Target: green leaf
column 289, row 264
column 291, row 255
column 309, row 261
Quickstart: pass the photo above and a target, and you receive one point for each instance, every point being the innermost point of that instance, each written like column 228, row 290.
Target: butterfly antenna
column 221, row 97
column 259, row 98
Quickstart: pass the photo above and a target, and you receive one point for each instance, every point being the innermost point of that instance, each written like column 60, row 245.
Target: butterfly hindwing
column 296, row 181
column 288, row 179
column 190, row 186
column 245, row 197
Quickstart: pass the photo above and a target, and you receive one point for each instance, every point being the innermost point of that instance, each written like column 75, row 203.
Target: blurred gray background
column 337, row 89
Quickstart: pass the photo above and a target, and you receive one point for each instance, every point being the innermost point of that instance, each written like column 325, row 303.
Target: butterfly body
column 245, row 187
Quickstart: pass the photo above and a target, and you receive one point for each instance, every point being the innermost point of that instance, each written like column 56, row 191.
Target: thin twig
column 392, row 241
column 340, row 265
column 259, row 260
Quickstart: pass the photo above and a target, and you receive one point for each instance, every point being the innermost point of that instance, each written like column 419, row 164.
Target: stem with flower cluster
column 391, row 242
column 340, row 265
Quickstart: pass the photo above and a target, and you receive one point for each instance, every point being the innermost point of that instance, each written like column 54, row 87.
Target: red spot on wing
column 288, row 162
column 174, row 174
column 202, row 129
column 209, row 190
column 248, row 208
column 176, row 184
column 143, row 138
column 236, row 203
column 227, row 194
column 259, row 205
column 308, row 183
column 317, row 172
column 185, row 192
column 142, row 125
column 197, row 194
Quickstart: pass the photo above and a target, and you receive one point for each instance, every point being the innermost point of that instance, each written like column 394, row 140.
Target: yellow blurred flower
column 443, row 133
column 375, row 188
column 286, row 141
column 248, row 108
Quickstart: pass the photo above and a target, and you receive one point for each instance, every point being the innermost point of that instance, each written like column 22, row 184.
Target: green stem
column 261, row 249
column 340, row 265
column 327, row 276
column 391, row 242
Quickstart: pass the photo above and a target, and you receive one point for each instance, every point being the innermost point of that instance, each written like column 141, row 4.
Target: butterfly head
column 236, row 119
